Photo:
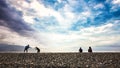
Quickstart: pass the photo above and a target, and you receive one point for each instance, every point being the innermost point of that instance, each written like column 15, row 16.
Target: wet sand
column 59, row 60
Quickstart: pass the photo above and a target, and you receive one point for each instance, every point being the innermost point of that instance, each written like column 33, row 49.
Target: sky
column 61, row 25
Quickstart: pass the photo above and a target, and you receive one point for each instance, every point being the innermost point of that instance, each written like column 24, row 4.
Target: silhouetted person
column 38, row 50
column 26, row 48
column 80, row 50
column 90, row 49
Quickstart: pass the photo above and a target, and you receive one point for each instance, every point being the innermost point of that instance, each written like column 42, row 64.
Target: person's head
column 28, row 44
column 36, row 47
column 89, row 47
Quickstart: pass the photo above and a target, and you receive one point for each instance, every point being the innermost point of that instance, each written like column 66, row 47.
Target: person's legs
column 26, row 51
column 38, row 51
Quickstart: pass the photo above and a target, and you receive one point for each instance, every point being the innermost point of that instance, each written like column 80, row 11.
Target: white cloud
column 98, row 6
column 52, row 41
column 7, row 36
column 64, row 16
column 40, row 11
column 28, row 19
column 56, row 42
column 86, row 14
column 93, row 36
column 115, row 5
column 116, row 1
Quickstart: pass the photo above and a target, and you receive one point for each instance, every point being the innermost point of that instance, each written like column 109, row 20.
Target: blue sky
column 63, row 25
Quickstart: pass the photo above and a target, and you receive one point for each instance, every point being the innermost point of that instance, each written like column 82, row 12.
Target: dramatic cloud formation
column 61, row 25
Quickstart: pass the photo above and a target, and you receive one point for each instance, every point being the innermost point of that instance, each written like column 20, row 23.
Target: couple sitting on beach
column 89, row 50
column 27, row 47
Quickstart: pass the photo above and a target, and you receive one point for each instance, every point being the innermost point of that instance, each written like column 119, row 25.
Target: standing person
column 26, row 48
column 90, row 49
column 80, row 50
column 38, row 50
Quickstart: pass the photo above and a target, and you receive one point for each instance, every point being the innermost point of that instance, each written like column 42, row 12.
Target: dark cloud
column 7, row 47
column 11, row 18
column 2, row 3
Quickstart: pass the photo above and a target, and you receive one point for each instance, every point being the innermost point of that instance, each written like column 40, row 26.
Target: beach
column 59, row 60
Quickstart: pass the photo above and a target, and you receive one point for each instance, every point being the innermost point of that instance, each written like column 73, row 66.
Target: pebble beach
column 59, row 60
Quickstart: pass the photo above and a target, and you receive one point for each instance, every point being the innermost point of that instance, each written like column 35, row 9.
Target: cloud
column 64, row 16
column 116, row 2
column 92, row 36
column 8, row 48
column 60, row 25
column 99, row 6
column 10, row 37
column 12, row 19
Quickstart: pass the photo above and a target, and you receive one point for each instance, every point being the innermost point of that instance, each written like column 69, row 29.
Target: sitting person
column 90, row 49
column 38, row 50
column 80, row 50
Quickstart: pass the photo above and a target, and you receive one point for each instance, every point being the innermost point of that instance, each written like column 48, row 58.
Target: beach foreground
column 59, row 60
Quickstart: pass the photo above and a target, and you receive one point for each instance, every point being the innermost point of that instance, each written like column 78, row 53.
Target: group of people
column 89, row 50
column 38, row 50
column 27, row 47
